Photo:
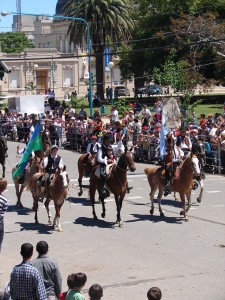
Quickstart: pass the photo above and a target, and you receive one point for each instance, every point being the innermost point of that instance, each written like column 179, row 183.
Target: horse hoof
column 162, row 214
column 80, row 193
column 19, row 204
column 182, row 213
column 95, row 218
column 103, row 215
column 151, row 211
column 50, row 222
column 60, row 230
column 186, row 219
column 199, row 200
column 121, row 225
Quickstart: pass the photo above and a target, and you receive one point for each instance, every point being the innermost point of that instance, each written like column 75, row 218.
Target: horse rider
column 51, row 164
column 92, row 149
column 170, row 168
column 104, row 158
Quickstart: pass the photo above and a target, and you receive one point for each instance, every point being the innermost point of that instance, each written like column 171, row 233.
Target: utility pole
column 19, row 18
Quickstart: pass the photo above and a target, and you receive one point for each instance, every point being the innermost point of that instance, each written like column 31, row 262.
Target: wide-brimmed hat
column 106, row 138
column 54, row 147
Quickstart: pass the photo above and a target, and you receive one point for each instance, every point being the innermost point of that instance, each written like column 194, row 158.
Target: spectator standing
column 3, row 209
column 49, row 270
column 114, row 114
column 25, row 280
column 83, row 113
column 78, row 281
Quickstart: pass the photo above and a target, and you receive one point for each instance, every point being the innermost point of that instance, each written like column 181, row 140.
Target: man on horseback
column 51, row 164
column 104, row 158
column 171, row 162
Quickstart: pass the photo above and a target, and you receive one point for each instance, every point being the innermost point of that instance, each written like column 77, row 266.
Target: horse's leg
column 159, row 201
column 81, row 174
column 48, row 211
column 183, row 212
column 103, row 205
column 119, row 201
column 92, row 191
column 3, row 169
column 199, row 199
column 152, row 193
column 19, row 196
column 189, row 201
column 56, row 222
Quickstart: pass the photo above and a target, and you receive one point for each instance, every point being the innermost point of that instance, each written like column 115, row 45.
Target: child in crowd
column 154, row 293
column 62, row 295
column 76, row 282
column 95, row 292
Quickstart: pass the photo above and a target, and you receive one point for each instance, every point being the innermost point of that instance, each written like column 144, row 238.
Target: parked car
column 121, row 91
column 151, row 89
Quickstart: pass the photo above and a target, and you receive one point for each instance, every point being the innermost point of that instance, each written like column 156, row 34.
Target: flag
column 34, row 144
column 162, row 136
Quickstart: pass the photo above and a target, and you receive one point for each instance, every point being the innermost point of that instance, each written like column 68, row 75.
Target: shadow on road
column 155, row 219
column 79, row 200
column 19, row 210
column 40, row 228
column 90, row 222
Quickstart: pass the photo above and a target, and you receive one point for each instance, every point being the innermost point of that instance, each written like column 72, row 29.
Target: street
column 186, row 260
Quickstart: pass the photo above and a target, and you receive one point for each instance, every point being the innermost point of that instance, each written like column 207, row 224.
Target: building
column 54, row 63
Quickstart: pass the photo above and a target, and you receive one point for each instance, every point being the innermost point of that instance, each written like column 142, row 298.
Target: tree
column 14, row 42
column 109, row 22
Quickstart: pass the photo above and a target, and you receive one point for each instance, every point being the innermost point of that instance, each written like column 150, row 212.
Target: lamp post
column 5, row 13
column 35, row 68
column 111, row 66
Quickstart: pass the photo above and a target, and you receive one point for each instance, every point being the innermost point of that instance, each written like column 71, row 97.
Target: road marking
column 219, row 205
column 193, row 208
column 211, row 192
column 137, row 197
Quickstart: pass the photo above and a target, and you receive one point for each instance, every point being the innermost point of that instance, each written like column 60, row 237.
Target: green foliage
column 14, row 42
column 30, row 86
column 122, row 106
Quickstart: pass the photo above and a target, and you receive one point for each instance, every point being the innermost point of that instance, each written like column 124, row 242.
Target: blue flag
column 34, row 144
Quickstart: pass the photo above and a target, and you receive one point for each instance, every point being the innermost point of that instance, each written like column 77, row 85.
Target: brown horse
column 182, row 184
column 117, row 183
column 3, row 149
column 57, row 191
column 34, row 166
column 84, row 168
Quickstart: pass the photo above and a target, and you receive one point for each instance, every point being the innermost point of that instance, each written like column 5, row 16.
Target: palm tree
column 109, row 20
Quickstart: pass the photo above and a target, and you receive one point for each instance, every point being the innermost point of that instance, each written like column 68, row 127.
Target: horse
column 116, row 182
column 56, row 191
column 34, row 166
column 84, row 165
column 3, row 149
column 183, row 184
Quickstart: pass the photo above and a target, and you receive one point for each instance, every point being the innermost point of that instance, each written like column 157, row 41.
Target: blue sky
column 27, row 6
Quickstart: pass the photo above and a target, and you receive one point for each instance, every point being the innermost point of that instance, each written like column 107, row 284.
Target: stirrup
column 195, row 185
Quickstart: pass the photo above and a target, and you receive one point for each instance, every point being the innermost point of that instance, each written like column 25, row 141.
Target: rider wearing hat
column 103, row 158
column 51, row 164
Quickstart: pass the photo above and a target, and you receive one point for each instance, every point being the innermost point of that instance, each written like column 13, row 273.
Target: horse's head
column 196, row 166
column 127, row 160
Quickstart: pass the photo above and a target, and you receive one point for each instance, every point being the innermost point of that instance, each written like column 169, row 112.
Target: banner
column 34, row 144
column 172, row 114
column 85, row 64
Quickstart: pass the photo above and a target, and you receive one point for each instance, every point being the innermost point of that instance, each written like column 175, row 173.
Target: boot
column 167, row 190
column 195, row 185
column 104, row 191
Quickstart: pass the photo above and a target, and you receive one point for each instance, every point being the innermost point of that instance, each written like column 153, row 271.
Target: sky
column 27, row 6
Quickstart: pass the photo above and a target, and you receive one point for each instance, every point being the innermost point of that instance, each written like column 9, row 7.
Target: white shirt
column 96, row 146
column 114, row 115
column 54, row 157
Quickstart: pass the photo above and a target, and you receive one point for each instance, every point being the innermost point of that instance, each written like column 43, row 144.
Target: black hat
column 54, row 147
column 106, row 138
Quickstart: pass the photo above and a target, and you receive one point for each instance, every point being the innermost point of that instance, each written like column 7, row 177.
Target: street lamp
column 35, row 68
column 111, row 66
column 5, row 13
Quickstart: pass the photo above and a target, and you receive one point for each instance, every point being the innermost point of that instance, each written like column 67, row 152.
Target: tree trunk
column 100, row 72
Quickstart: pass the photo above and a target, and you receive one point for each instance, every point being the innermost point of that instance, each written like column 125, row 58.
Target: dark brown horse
column 34, row 166
column 57, row 191
column 84, row 164
column 3, row 149
column 117, row 183
column 183, row 184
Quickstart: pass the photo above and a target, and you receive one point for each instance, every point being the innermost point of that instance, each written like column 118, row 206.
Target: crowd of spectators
column 138, row 126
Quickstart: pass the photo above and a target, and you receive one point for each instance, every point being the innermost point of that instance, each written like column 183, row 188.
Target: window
column 67, row 77
column 14, row 79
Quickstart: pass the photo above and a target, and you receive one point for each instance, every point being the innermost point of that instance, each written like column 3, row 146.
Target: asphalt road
column 185, row 259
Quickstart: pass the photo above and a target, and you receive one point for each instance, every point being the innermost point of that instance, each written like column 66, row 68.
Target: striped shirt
column 3, row 207
column 26, row 283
